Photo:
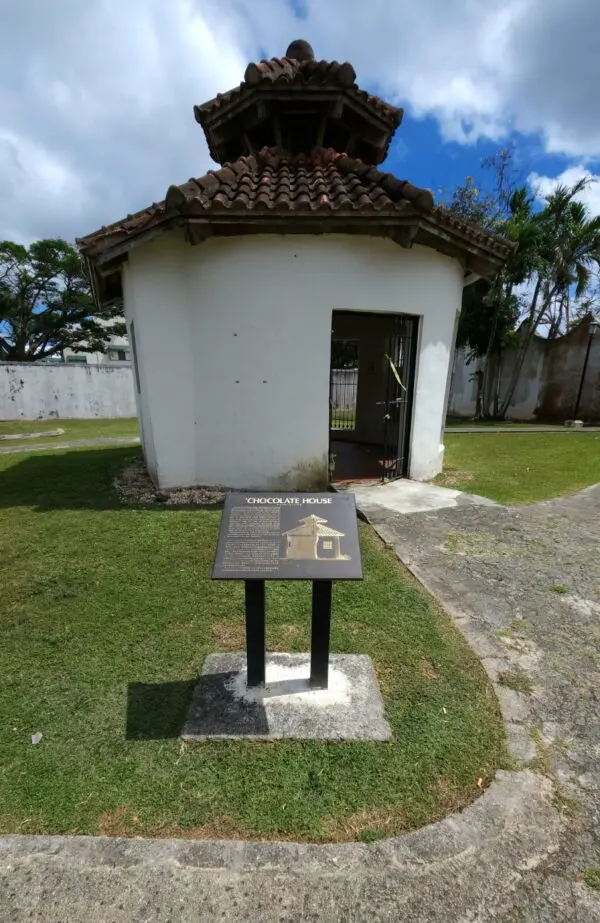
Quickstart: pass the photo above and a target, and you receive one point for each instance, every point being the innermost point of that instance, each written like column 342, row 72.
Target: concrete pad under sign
column 351, row 708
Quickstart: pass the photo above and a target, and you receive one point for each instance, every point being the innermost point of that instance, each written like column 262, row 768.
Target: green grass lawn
column 73, row 429
column 496, row 424
column 515, row 468
column 107, row 614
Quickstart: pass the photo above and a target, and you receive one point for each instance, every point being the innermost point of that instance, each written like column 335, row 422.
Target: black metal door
column 400, row 362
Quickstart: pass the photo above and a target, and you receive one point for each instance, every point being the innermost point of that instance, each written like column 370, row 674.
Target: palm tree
column 520, row 227
column 564, row 248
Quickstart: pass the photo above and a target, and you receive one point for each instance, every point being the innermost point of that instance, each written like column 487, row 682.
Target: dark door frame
column 399, row 400
column 398, row 406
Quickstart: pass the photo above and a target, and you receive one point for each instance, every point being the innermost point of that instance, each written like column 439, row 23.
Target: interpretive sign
column 297, row 536
column 275, row 536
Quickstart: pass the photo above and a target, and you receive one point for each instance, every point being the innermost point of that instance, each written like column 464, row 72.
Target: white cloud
column 96, row 104
column 96, row 98
column 544, row 186
column 481, row 67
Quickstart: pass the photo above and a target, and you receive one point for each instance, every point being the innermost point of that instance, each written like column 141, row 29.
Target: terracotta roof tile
column 273, row 181
column 325, row 184
column 325, row 180
column 300, row 73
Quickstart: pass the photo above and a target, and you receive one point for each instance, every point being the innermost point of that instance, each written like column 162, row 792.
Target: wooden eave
column 406, row 229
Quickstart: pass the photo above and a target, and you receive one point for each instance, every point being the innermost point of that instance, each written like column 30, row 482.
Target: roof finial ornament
column 300, row 51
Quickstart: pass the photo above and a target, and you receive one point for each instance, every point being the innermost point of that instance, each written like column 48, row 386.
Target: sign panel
column 296, row 536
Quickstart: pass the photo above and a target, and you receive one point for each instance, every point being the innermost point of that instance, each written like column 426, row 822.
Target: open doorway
column 373, row 359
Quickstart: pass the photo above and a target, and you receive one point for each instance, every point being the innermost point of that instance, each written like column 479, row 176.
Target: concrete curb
column 437, row 843
column 472, row 860
column 43, row 434
column 72, row 444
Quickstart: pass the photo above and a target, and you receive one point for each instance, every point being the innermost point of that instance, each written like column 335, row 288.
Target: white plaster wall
column 526, row 395
column 463, row 393
column 33, row 391
column 233, row 341
column 158, row 308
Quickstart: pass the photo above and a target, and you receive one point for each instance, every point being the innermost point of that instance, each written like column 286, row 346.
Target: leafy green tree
column 551, row 277
column 47, row 305
column 490, row 309
column 564, row 253
column 469, row 202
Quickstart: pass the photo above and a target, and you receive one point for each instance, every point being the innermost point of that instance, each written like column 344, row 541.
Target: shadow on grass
column 216, row 711
column 73, row 479
column 70, row 479
column 157, row 711
column 202, row 706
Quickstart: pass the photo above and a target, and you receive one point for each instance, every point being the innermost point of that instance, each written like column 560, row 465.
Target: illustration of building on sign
column 312, row 540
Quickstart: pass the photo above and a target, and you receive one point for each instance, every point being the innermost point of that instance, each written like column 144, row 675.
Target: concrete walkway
column 70, row 444
column 404, row 496
column 523, row 585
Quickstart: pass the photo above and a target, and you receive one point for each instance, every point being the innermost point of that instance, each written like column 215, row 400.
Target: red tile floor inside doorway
column 357, row 461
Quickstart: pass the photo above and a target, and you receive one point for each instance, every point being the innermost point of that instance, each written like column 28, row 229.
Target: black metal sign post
column 319, row 640
column 255, row 631
column 295, row 536
column 320, row 633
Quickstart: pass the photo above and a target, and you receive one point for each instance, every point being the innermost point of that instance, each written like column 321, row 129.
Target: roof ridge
column 289, row 70
column 457, row 221
column 285, row 69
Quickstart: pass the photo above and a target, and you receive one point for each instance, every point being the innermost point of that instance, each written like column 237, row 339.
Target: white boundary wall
column 34, row 391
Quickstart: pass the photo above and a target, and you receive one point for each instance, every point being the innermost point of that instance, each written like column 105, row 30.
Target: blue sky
column 96, row 98
column 421, row 154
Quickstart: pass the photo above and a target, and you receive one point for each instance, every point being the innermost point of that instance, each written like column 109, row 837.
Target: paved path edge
column 70, row 444
column 475, row 859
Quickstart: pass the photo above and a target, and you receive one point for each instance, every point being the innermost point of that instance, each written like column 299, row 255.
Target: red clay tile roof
column 310, row 73
column 325, row 182
column 276, row 187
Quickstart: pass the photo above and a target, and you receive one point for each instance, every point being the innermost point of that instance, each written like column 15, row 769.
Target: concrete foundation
column 351, row 708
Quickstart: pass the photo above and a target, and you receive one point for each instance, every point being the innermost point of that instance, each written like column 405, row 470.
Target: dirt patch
column 123, row 822
column 285, row 636
column 455, row 797
column 230, row 634
column 366, row 824
column 454, row 477
column 290, row 629
column 135, row 488
column 427, row 669
column 216, row 830
column 116, row 823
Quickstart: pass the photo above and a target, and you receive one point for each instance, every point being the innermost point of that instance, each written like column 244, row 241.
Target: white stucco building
column 235, row 286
